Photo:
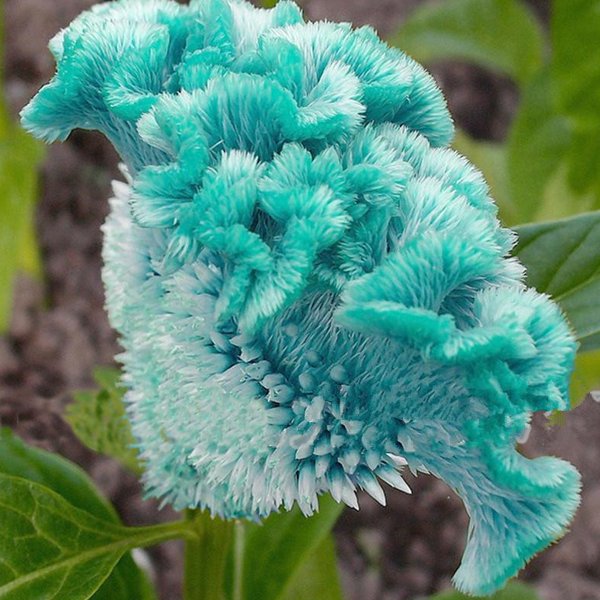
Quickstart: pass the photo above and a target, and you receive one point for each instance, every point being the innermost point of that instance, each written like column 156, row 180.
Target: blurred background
column 522, row 81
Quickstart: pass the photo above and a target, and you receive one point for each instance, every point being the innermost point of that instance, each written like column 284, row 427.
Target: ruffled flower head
column 311, row 288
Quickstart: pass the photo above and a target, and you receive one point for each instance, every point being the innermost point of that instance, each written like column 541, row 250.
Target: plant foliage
column 563, row 260
column 77, row 490
column 100, row 421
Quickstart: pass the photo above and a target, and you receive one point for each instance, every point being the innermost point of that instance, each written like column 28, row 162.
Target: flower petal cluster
column 311, row 288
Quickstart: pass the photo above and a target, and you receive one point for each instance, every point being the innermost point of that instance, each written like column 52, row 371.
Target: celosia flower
column 312, row 290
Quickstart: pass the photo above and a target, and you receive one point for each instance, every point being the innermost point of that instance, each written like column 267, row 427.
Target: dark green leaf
column 515, row 590
column 275, row 551
column 54, row 472
column 50, row 549
column 126, row 582
column 100, row 421
column 317, row 577
column 73, row 484
column 563, row 260
column 502, row 35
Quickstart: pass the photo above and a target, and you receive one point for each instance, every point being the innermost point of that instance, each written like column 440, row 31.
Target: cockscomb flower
column 311, row 288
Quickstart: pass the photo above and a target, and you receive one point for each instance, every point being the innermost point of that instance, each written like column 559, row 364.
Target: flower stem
column 238, row 569
column 206, row 556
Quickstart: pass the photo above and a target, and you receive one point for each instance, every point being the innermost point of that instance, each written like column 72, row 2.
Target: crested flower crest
column 311, row 288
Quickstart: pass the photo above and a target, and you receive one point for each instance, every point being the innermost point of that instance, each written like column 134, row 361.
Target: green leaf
column 275, row 552
column 563, row 260
column 502, row 35
column 575, row 31
column 55, row 472
column 575, row 28
column 538, row 141
column 586, row 377
column 559, row 199
column 490, row 159
column 100, row 420
column 108, row 378
column 20, row 156
column 515, row 590
column 126, row 582
column 50, row 549
column 317, row 577
column 52, row 471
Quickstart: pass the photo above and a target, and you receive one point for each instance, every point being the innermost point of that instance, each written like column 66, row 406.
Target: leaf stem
column 141, row 537
column 206, row 556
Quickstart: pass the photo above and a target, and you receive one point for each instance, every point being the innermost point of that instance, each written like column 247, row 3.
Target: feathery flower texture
column 312, row 289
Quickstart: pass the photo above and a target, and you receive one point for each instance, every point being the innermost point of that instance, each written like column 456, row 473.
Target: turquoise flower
column 311, row 288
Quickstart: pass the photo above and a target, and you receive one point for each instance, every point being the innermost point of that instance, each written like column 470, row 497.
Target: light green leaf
column 502, row 35
column 72, row 483
column 586, row 377
column 490, row 159
column 275, row 552
column 100, row 421
column 560, row 201
column 575, row 31
column 108, row 378
column 515, row 590
column 563, row 260
column 50, row 549
column 537, row 143
column 20, row 156
column 317, row 577
column 575, row 28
